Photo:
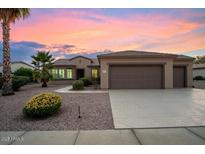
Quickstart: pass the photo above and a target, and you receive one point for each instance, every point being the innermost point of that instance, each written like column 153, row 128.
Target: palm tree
column 43, row 61
column 199, row 59
column 8, row 16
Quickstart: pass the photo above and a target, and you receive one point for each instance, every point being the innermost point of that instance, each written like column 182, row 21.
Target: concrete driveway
column 158, row 108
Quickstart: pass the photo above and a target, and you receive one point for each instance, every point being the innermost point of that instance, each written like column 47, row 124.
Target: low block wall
column 199, row 84
column 61, row 82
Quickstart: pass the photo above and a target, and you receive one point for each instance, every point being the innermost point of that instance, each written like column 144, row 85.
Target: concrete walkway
column 68, row 89
column 166, row 136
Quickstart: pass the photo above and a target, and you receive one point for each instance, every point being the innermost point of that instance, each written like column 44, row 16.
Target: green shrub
column 199, row 78
column 42, row 105
column 78, row 85
column 87, row 81
column 24, row 72
column 19, row 81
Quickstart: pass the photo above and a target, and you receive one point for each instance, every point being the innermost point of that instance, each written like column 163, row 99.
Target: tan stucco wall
column 167, row 62
column 82, row 63
column 168, row 74
column 189, row 65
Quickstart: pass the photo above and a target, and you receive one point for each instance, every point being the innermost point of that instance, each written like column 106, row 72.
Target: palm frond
column 13, row 14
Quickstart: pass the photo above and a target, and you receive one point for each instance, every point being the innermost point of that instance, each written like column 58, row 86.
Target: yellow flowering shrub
column 42, row 105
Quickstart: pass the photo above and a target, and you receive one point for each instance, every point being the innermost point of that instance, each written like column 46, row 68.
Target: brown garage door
column 179, row 77
column 136, row 77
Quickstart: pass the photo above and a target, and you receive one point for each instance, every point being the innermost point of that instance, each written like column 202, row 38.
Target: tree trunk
column 44, row 83
column 7, row 79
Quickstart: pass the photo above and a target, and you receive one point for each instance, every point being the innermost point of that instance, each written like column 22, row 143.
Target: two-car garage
column 145, row 70
column 144, row 76
column 136, row 77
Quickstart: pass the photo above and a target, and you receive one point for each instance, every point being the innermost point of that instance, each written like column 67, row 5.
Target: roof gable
column 80, row 57
column 72, row 62
column 63, row 62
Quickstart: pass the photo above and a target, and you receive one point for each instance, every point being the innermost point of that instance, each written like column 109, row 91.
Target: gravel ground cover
column 95, row 111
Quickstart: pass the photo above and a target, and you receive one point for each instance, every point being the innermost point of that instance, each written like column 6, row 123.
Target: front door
column 80, row 73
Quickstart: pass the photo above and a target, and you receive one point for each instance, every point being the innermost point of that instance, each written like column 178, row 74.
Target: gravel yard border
column 95, row 110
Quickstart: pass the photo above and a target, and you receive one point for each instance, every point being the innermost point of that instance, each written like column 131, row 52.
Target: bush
column 78, row 85
column 42, row 105
column 87, row 81
column 24, row 72
column 19, row 81
column 199, row 78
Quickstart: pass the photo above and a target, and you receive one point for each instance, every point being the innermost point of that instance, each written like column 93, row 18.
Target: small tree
column 43, row 61
column 199, row 60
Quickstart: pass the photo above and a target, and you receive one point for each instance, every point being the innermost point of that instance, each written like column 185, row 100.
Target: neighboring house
column 129, row 70
column 199, row 70
column 68, row 70
column 15, row 65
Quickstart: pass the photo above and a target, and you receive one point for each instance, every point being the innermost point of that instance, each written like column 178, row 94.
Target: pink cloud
column 90, row 32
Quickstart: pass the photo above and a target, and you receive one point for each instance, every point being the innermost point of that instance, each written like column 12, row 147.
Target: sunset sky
column 69, row 32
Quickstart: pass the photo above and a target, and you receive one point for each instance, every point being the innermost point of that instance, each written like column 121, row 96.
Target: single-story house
column 67, row 70
column 129, row 70
column 15, row 65
column 199, row 70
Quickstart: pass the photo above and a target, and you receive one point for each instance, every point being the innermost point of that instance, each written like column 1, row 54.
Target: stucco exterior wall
column 82, row 63
column 168, row 74
column 167, row 62
column 189, row 73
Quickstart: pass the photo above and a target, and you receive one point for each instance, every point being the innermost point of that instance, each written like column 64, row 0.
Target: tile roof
column 69, row 62
column 184, row 57
column 22, row 62
column 95, row 62
column 131, row 53
column 119, row 54
column 62, row 62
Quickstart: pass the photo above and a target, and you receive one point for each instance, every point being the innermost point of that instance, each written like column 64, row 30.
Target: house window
column 61, row 73
column 69, row 73
column 94, row 73
column 54, row 73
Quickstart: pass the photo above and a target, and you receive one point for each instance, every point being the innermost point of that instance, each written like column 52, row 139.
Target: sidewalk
column 180, row 136
column 68, row 89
